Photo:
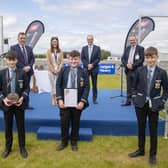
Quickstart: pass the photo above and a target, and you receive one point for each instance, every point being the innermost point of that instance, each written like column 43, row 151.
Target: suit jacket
column 21, row 87
column 21, row 61
column 137, row 60
column 95, row 57
column 82, row 84
column 159, row 82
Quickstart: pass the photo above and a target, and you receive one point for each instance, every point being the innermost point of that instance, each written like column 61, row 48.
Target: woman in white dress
column 55, row 62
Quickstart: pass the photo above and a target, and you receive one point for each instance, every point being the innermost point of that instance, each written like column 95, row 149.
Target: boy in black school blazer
column 71, row 114
column 13, row 80
column 150, row 92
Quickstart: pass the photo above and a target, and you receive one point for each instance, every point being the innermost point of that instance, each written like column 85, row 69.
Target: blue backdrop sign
column 103, row 68
column 106, row 68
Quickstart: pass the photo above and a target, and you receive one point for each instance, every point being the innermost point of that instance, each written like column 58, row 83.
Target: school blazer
column 158, row 89
column 82, row 84
column 21, row 87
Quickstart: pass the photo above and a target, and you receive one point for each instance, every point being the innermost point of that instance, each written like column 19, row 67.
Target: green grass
column 102, row 152
column 109, row 81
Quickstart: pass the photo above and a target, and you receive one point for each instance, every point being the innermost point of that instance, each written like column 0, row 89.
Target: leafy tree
column 105, row 54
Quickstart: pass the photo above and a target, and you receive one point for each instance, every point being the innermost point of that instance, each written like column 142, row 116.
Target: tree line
column 104, row 54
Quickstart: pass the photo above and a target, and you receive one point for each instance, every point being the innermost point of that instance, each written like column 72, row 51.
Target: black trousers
column 70, row 116
column 130, row 76
column 142, row 114
column 93, row 76
column 19, row 116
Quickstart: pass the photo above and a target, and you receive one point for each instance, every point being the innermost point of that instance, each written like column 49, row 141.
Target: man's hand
column 26, row 68
column 90, row 66
column 129, row 66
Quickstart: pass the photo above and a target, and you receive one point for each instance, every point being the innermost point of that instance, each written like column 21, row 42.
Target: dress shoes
column 5, row 153
column 74, row 148
column 61, row 146
column 136, row 154
column 152, row 160
column 29, row 108
column 23, row 153
column 94, row 101
column 127, row 103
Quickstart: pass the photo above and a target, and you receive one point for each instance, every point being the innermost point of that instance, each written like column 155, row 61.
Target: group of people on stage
column 147, row 89
column 90, row 57
column 15, row 88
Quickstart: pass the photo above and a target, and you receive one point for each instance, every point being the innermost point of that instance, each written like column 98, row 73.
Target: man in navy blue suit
column 71, row 77
column 150, row 92
column 25, row 57
column 132, row 58
column 90, row 57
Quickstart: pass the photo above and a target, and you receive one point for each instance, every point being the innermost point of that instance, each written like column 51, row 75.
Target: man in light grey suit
column 90, row 57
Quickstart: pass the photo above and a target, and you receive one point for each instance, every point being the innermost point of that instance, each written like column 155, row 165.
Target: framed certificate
column 70, row 97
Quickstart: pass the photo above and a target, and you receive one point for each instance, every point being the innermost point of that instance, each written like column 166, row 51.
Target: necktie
column 13, row 79
column 149, row 79
column 131, row 54
column 25, row 55
column 73, row 78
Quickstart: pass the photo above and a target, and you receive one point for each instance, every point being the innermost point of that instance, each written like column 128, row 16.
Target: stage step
column 54, row 133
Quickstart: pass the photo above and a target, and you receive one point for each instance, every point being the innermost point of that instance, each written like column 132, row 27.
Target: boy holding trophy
column 72, row 90
column 14, row 88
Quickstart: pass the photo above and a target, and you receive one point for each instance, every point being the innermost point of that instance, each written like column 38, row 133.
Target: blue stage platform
column 107, row 117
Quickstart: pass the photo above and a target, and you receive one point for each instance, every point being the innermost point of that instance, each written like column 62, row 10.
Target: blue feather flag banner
column 34, row 32
column 143, row 26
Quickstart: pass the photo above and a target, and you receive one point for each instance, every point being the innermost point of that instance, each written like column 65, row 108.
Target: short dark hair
column 21, row 33
column 74, row 53
column 11, row 55
column 151, row 51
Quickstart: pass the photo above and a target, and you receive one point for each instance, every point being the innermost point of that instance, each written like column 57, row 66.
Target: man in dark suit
column 71, row 77
column 14, row 88
column 150, row 92
column 132, row 58
column 25, row 57
column 90, row 57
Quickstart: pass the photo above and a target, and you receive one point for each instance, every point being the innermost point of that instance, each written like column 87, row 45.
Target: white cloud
column 71, row 20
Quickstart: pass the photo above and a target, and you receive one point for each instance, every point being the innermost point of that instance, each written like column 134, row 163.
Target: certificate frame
column 70, row 97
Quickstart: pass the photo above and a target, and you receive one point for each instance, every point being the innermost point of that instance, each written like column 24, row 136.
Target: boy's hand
column 19, row 102
column 7, row 102
column 80, row 106
column 61, row 104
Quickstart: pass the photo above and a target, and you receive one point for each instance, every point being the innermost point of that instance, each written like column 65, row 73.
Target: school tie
column 73, row 78
column 25, row 55
column 149, row 79
column 13, row 80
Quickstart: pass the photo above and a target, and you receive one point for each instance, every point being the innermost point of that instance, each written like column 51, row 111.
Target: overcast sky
column 72, row 20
